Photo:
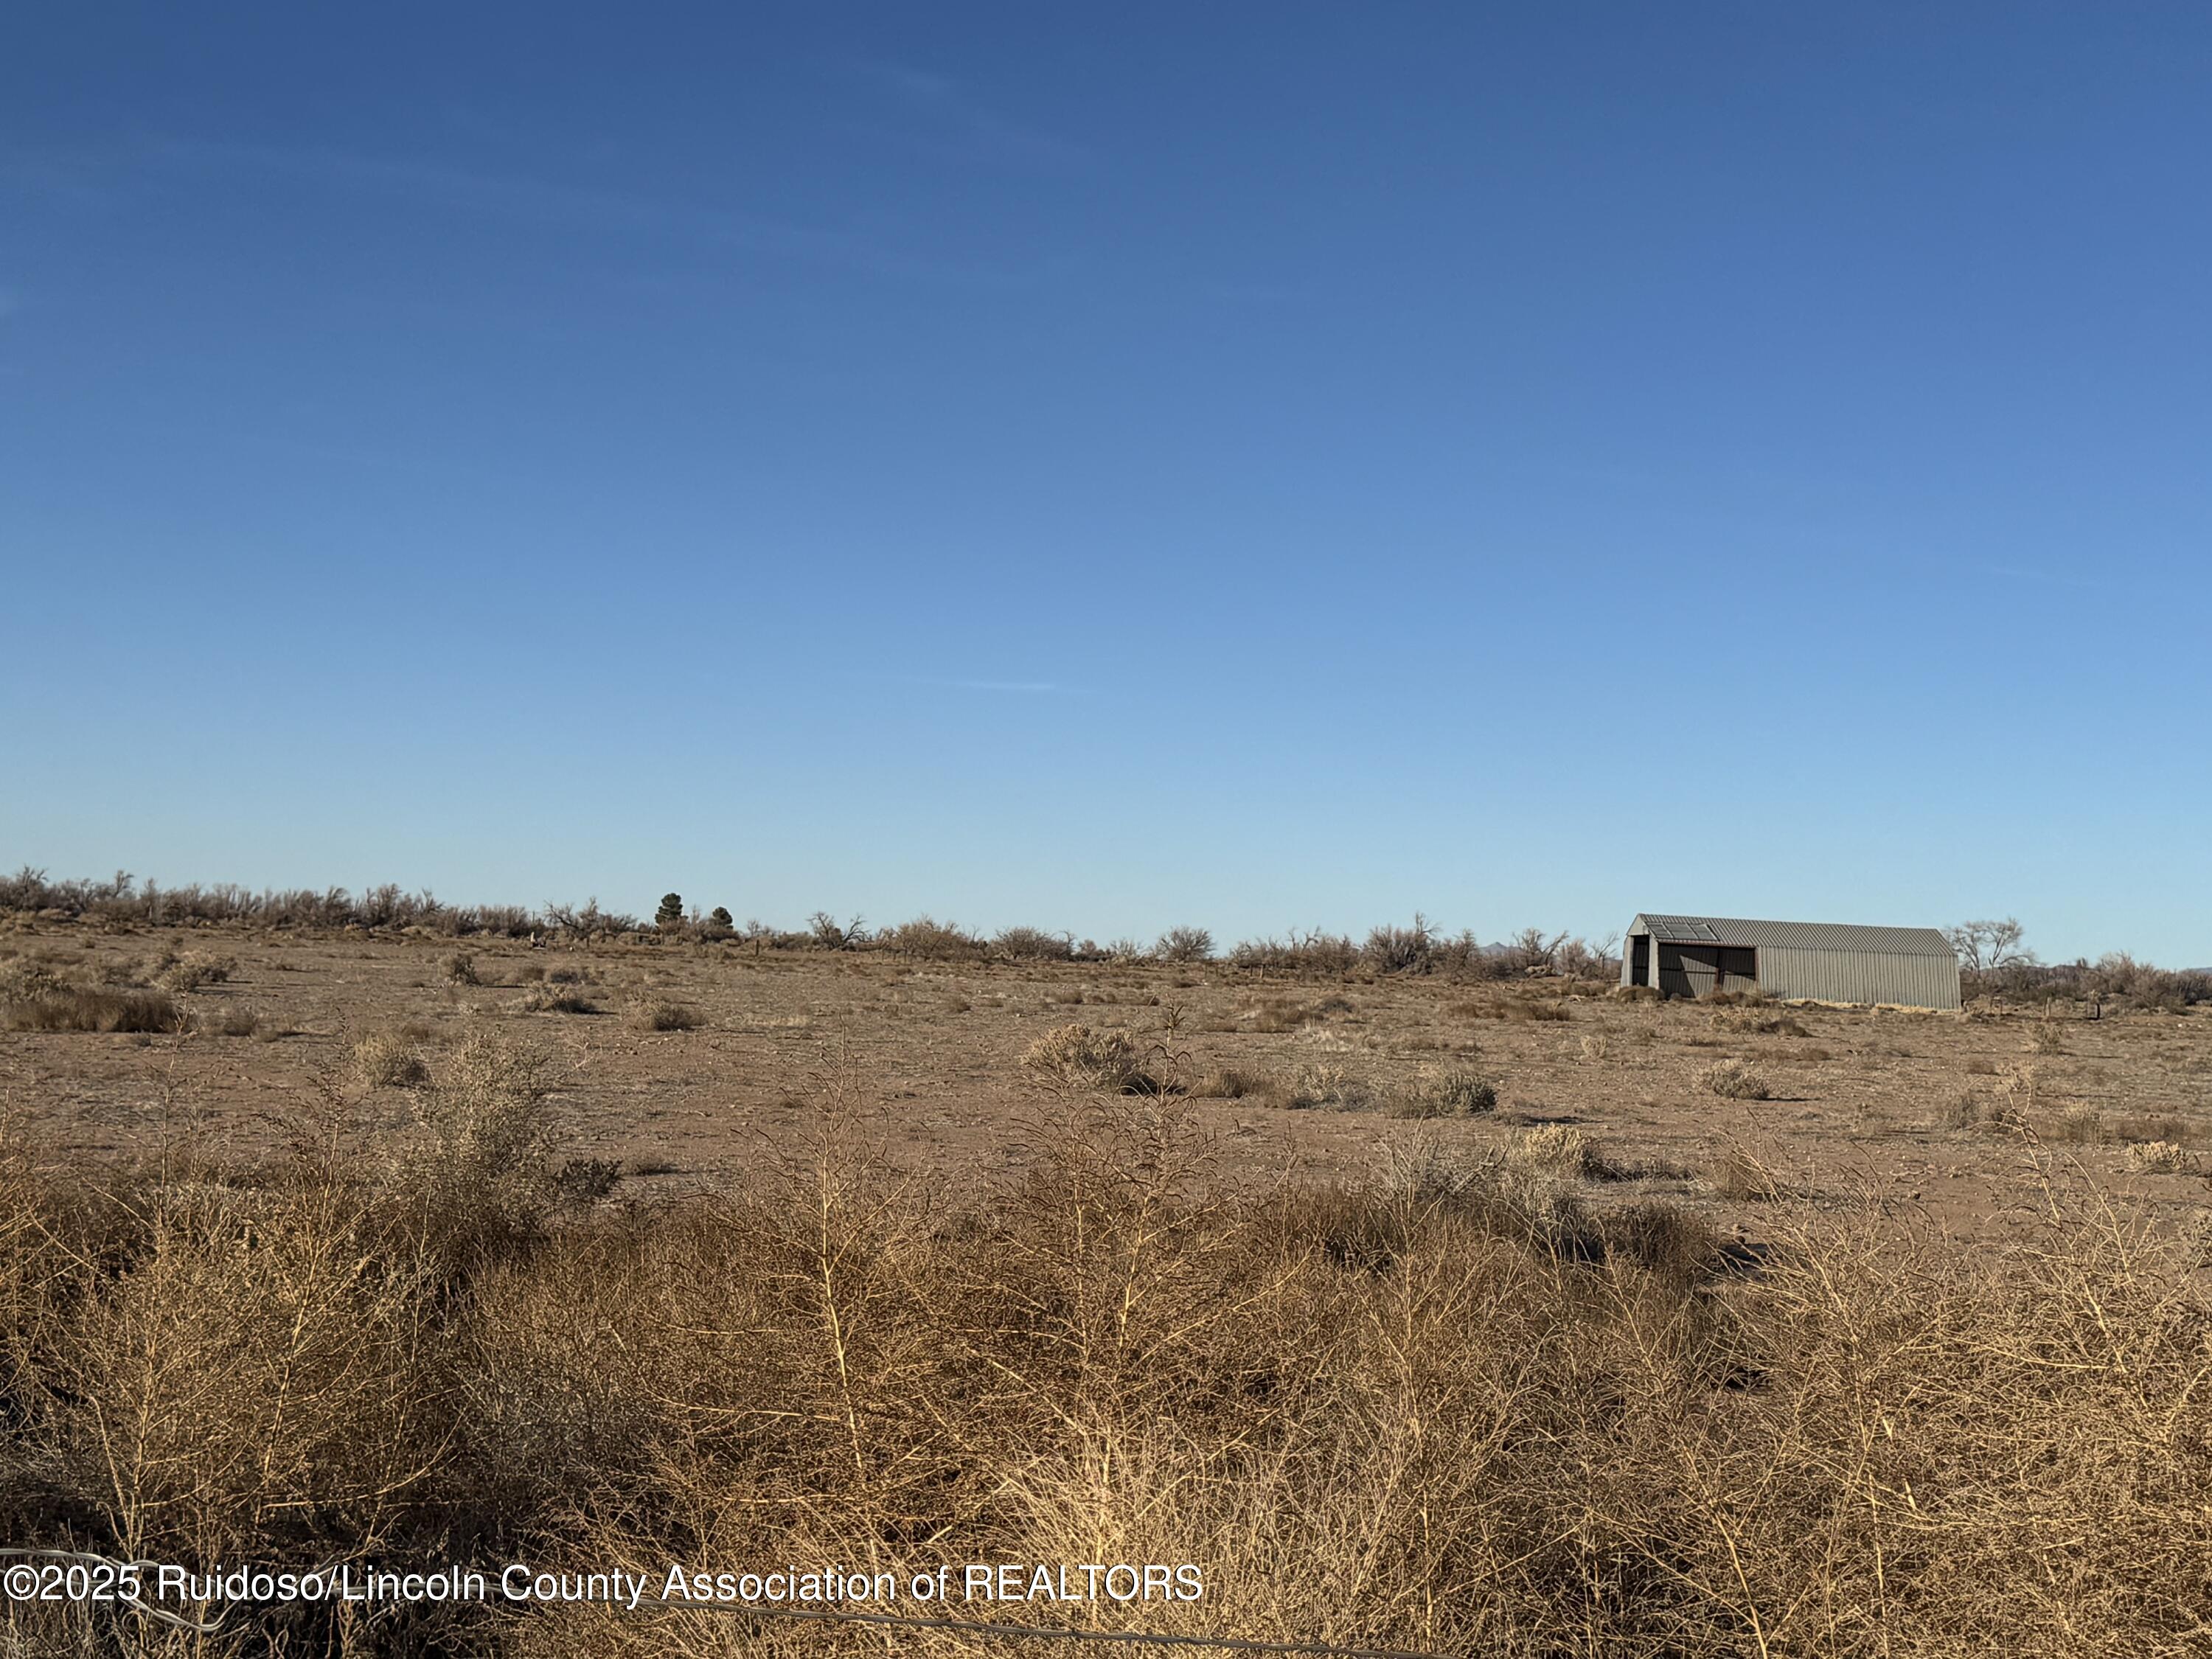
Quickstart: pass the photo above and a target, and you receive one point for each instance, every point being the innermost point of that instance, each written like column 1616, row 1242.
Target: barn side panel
column 1861, row 976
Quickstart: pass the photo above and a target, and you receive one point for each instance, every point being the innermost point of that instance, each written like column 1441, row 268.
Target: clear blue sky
column 1258, row 465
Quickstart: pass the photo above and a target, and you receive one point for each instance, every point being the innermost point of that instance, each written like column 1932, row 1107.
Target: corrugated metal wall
column 1859, row 976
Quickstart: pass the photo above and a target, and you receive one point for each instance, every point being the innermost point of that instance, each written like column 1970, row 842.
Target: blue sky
column 1266, row 466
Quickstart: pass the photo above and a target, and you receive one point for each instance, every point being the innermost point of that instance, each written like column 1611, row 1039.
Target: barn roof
column 1794, row 935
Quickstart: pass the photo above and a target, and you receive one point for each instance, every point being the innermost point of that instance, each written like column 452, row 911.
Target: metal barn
column 1822, row 961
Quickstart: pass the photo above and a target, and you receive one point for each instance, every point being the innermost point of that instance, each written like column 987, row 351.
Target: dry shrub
column 1032, row 944
column 1316, row 1083
column 1077, row 1057
column 1233, row 1083
column 1665, row 1239
column 193, row 969
column 1757, row 1022
column 96, row 1008
column 2158, row 1157
column 254, row 1381
column 387, row 1059
column 238, row 1022
column 931, row 941
column 474, row 1181
column 1448, row 1091
column 1735, row 1172
column 554, row 997
column 1528, row 1008
column 2083, row 1125
column 22, row 979
column 1735, row 1079
column 1185, row 945
column 1343, row 1401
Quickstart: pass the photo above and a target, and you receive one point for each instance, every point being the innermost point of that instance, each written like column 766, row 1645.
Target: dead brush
column 1754, row 1020
column 551, row 996
column 387, row 1059
column 1737, row 1173
column 1446, row 1091
column 96, row 1008
column 1317, row 1084
column 1735, row 1079
column 1235, row 1083
column 1604, row 1432
column 1540, row 1011
column 661, row 1014
column 1077, row 1057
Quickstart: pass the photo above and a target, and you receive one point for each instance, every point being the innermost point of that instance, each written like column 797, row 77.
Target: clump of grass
column 22, row 979
column 1557, row 1149
column 1756, row 1021
column 96, row 1008
column 1735, row 1079
column 1665, row 1239
column 2158, row 1157
column 1317, row 1084
column 2083, row 1125
column 1232, row 1082
column 1077, row 1057
column 555, row 997
column 1736, row 1173
column 385, row 1059
column 670, row 1016
column 238, row 1022
column 1450, row 1091
column 1528, row 1008
column 193, row 969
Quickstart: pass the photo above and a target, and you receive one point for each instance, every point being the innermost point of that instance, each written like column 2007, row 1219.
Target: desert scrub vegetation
column 1447, row 1091
column 659, row 1014
column 1445, row 1407
column 33, row 1000
column 1735, row 1079
column 1077, row 1057
column 387, row 1060
column 551, row 995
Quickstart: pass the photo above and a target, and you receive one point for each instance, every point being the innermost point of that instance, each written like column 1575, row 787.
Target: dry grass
column 194, row 969
column 1449, row 1091
column 1446, row 1406
column 555, row 995
column 1077, row 1057
column 94, row 1008
column 1735, row 1079
column 387, row 1059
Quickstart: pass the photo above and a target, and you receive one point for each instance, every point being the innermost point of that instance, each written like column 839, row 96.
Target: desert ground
column 1293, row 1077
column 1443, row 1314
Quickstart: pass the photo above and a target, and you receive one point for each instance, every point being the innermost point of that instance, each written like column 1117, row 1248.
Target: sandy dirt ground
column 1941, row 1114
